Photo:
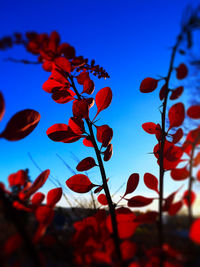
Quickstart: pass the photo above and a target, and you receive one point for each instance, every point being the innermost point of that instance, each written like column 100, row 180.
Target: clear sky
column 131, row 40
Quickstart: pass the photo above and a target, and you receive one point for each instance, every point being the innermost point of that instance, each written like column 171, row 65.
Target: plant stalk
column 111, row 205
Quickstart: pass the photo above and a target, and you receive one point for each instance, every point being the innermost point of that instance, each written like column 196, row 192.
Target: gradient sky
column 131, row 40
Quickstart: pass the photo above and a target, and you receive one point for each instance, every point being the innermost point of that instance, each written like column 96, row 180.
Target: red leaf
column 149, row 127
column 47, row 65
column 63, row 96
column 108, row 152
column 132, row 183
column 172, row 155
column 19, row 206
column 50, row 85
column 103, row 99
column 77, row 125
column 37, row 198
column 99, row 188
column 21, row 125
column 60, row 77
column 195, row 231
column 175, row 207
column 104, row 135
column 151, row 181
column 176, row 93
column 63, row 64
column 102, row 199
column 87, row 142
column 41, row 230
column 19, row 178
column 177, row 136
column 148, row 85
column 179, row 174
column 194, row 112
column 83, row 76
column 67, row 50
column 88, row 87
column 169, row 200
column 176, row 115
column 162, row 92
column 2, row 106
column 44, row 214
column 139, row 201
column 53, row 196
column 79, row 183
column 80, row 109
column 186, row 197
column 181, row 71
column 128, row 249
column 12, row 244
column 38, row 183
column 125, row 223
column 62, row 133
column 86, row 164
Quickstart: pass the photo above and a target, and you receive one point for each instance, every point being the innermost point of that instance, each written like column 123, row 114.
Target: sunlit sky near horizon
column 131, row 40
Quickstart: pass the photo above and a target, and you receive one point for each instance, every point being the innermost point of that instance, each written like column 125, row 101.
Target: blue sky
column 131, row 40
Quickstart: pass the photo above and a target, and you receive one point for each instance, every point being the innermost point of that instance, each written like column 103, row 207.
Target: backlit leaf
column 44, row 214
column 37, row 198
column 103, row 99
column 139, row 201
column 88, row 87
column 132, row 183
column 194, row 112
column 77, row 125
column 87, row 142
column 62, row 133
column 125, row 223
column 176, row 93
column 175, row 207
column 108, row 152
column 177, row 136
column 21, row 125
column 179, row 174
column 189, row 199
column 80, row 109
column 86, row 164
column 104, row 134
column 102, row 199
column 176, row 115
column 149, row 127
column 53, row 196
column 38, row 183
column 181, row 71
column 63, row 64
column 148, row 85
column 79, row 183
column 195, row 231
column 151, row 181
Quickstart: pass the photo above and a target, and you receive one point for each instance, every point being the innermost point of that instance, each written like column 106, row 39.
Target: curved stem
column 111, row 205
